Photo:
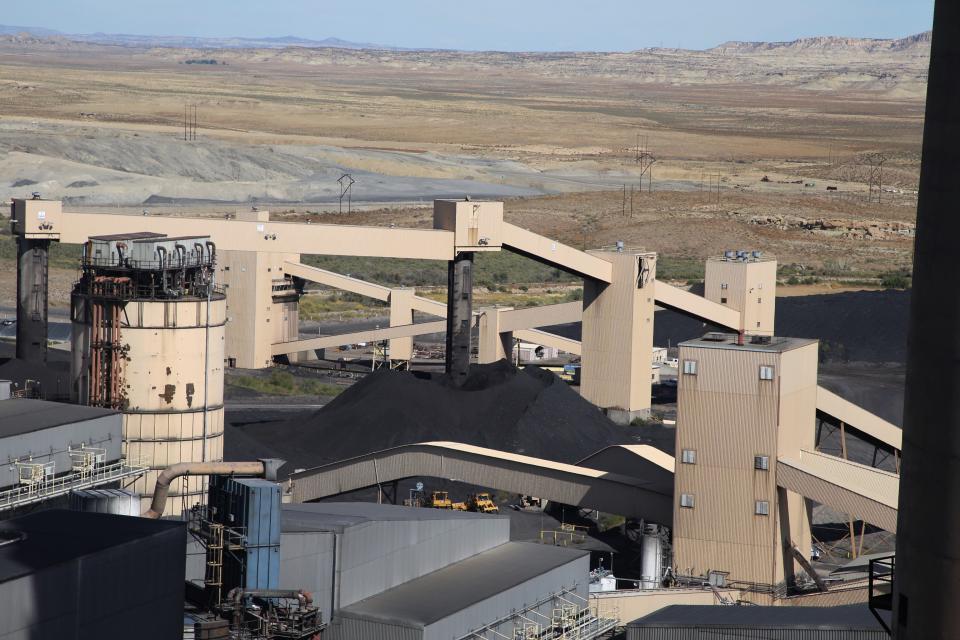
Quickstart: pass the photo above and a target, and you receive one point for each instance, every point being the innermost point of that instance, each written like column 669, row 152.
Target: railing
column 61, row 485
column 563, row 537
column 171, row 263
column 880, row 585
column 569, row 620
column 155, row 292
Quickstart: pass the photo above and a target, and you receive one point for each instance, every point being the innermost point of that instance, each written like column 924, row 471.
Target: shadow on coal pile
column 531, row 412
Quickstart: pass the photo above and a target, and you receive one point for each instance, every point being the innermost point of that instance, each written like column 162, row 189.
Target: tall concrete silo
column 148, row 339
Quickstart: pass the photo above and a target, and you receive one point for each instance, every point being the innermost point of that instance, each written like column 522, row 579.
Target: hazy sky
column 487, row 24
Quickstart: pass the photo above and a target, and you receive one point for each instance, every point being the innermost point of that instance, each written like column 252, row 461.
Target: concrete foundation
column 621, row 416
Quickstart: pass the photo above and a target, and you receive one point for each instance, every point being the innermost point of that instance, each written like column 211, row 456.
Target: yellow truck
column 441, row 500
column 482, row 503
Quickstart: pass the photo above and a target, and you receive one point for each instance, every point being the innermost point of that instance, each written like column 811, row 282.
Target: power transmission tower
column 189, row 121
column 346, row 189
column 875, row 175
column 644, row 157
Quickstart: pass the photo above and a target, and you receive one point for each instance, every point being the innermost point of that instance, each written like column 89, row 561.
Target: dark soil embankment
column 530, row 412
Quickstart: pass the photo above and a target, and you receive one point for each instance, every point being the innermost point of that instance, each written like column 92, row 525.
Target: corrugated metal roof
column 875, row 484
column 136, row 235
column 729, row 341
column 856, row 489
column 859, row 418
column 22, row 415
column 337, row 516
column 569, row 484
column 58, row 535
column 529, row 460
column 435, row 596
column 848, row 617
column 648, row 453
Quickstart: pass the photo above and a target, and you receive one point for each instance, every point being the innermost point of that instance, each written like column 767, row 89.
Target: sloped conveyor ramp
column 859, row 418
column 855, row 489
column 564, row 483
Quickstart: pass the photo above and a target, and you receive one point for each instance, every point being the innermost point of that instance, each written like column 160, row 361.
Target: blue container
column 250, row 506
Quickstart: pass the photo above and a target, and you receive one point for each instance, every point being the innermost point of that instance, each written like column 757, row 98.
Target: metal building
column 745, row 281
column 372, row 548
column 514, row 587
column 741, row 405
column 116, row 501
column 90, row 576
column 706, row 622
column 49, row 449
column 148, row 336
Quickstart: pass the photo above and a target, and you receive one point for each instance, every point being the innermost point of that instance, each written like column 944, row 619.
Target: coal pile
column 531, row 412
column 855, row 326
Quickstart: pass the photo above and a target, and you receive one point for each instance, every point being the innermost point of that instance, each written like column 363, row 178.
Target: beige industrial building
column 742, row 405
column 762, row 394
column 745, row 281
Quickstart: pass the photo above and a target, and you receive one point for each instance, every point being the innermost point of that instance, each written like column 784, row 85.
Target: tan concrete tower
column 745, row 281
column 740, row 406
column 262, row 302
column 618, row 335
column 148, row 336
column 494, row 344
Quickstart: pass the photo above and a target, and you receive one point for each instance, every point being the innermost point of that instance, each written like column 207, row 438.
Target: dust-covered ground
column 772, row 127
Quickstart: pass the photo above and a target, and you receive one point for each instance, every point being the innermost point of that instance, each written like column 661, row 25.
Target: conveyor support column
column 32, row 278
column 459, row 316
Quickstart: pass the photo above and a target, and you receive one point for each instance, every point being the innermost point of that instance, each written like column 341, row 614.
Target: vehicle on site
column 571, row 373
column 460, row 506
column 441, row 500
column 482, row 503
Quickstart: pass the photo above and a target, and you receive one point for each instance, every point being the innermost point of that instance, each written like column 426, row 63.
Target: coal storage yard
column 530, row 412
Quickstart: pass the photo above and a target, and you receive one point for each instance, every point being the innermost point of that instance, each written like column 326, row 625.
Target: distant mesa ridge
column 920, row 42
column 134, row 40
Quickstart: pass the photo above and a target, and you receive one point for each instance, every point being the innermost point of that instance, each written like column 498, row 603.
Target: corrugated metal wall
column 376, row 556
column 727, row 415
column 749, row 633
column 573, row 574
column 116, row 501
column 349, row 628
column 51, row 444
column 307, row 562
column 251, row 506
column 132, row 590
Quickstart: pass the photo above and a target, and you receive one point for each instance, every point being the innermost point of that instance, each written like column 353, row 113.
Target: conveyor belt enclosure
column 861, row 491
column 564, row 483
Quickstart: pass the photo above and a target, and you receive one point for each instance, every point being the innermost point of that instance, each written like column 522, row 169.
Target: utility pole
column 644, row 157
column 346, row 189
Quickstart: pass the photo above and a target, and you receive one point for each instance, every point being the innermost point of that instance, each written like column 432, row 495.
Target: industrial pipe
column 266, row 468
column 305, row 598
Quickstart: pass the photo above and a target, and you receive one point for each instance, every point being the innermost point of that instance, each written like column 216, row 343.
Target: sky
column 507, row 25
